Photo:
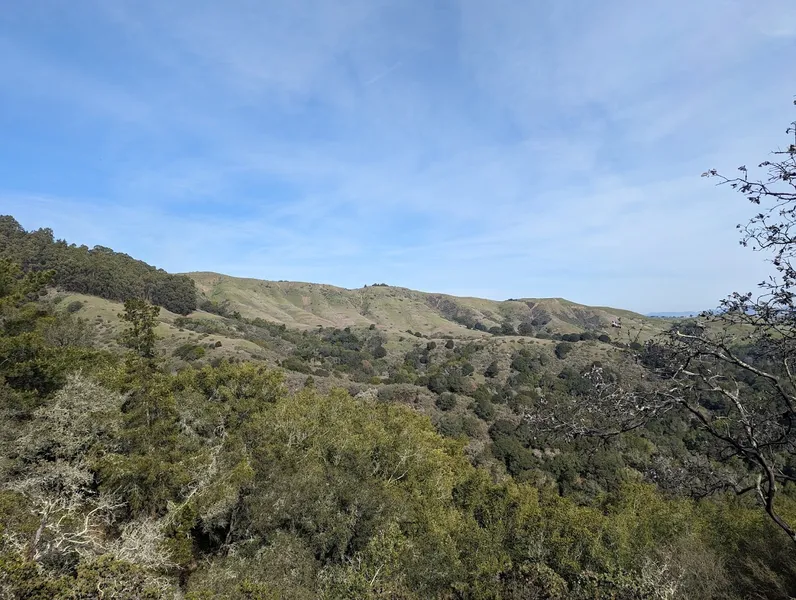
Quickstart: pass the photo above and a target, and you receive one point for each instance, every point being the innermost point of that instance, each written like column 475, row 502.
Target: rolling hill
column 397, row 309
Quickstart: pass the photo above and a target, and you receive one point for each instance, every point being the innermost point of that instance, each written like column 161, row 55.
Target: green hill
column 397, row 309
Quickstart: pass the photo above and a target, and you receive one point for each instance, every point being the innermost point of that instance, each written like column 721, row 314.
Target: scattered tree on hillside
column 140, row 334
column 525, row 328
column 492, row 370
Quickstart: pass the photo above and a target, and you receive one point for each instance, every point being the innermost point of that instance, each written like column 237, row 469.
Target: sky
column 483, row 148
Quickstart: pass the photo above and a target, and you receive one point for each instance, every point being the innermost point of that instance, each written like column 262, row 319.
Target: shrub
column 449, row 344
column 189, row 352
column 604, row 338
column 73, row 307
column 438, row 383
column 563, row 349
column 380, row 352
column 492, row 370
column 484, row 409
column 293, row 363
column 506, row 328
column 471, row 427
column 450, row 426
column 525, row 328
column 446, row 401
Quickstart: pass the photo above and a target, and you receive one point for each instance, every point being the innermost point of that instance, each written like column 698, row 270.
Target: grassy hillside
column 106, row 325
column 396, row 309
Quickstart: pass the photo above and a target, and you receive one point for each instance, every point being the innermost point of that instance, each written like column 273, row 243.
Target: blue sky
column 497, row 149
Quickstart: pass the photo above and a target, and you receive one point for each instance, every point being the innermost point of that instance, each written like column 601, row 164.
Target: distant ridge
column 309, row 305
column 687, row 313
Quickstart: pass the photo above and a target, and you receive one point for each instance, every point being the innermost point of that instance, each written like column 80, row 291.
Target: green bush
column 506, row 328
column 525, row 328
column 492, row 370
column 446, row 401
column 189, row 352
column 74, row 306
column 484, row 409
column 562, row 349
column 293, row 363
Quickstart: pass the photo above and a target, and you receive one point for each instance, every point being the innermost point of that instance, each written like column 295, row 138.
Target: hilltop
column 397, row 309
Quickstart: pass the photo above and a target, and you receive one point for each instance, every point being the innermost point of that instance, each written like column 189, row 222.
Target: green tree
column 562, row 349
column 492, row 370
column 139, row 336
column 525, row 328
column 506, row 328
column 446, row 401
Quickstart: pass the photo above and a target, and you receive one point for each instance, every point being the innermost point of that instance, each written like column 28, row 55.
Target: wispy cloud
column 508, row 148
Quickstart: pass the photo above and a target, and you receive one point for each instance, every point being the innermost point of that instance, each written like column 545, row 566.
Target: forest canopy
column 98, row 271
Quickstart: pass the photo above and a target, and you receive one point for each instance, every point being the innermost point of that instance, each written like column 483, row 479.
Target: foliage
column 446, row 401
column 130, row 480
column 492, row 370
column 74, row 306
column 563, row 349
column 189, row 352
column 140, row 334
column 98, row 271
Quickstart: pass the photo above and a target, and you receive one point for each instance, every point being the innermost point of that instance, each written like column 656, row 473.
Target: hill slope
column 307, row 305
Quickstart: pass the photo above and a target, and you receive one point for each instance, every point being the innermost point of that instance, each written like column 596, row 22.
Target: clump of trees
column 97, row 271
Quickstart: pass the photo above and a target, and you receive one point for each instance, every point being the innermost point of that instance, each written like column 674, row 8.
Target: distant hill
column 687, row 313
column 309, row 305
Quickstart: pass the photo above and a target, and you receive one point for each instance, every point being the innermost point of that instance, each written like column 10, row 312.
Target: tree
column 525, row 328
column 734, row 372
column 55, row 475
column 446, row 401
column 506, row 328
column 140, row 334
column 562, row 349
column 492, row 370
column 731, row 373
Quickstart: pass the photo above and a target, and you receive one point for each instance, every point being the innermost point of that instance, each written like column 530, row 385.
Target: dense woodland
column 665, row 474
column 98, row 271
